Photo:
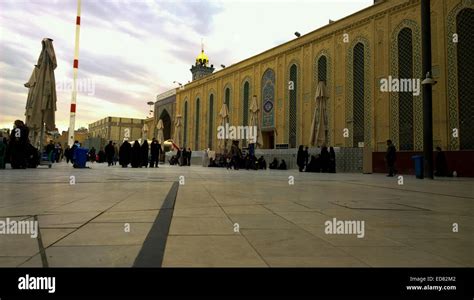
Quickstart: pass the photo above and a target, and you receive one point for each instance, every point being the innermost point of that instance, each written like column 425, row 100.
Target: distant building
column 80, row 135
column 116, row 129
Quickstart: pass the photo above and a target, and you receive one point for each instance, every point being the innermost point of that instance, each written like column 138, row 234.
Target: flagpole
column 72, row 118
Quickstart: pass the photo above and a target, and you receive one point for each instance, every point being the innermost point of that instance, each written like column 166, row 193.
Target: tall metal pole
column 427, row 89
column 72, row 118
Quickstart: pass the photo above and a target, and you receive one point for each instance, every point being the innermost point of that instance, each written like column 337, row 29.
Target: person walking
column 110, row 153
column 155, row 149
column 390, row 158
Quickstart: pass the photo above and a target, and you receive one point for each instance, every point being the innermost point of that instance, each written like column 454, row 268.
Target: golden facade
column 117, row 129
column 351, row 55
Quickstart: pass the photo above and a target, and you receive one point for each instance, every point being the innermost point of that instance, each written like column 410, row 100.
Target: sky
column 132, row 50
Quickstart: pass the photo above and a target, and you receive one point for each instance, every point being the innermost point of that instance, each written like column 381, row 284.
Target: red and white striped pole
column 72, row 119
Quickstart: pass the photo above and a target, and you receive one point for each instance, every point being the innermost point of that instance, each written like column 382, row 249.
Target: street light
column 150, row 103
column 429, row 80
column 181, row 86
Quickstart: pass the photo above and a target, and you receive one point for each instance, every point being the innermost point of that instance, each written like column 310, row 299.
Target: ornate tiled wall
column 453, row 116
column 367, row 94
column 330, row 101
column 417, row 73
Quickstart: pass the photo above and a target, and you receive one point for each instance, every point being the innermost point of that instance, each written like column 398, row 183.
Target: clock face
column 268, row 106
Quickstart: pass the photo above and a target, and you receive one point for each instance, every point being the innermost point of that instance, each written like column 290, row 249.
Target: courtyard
column 212, row 217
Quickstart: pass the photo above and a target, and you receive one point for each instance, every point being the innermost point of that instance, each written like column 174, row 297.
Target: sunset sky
column 130, row 51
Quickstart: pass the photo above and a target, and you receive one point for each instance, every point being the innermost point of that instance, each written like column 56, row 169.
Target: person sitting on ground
column 324, row 159
column 212, row 163
column 247, row 161
column 282, row 165
column 274, row 164
column 172, row 160
column 314, row 164
column 262, row 164
column 32, row 156
column 92, row 155
column 101, row 156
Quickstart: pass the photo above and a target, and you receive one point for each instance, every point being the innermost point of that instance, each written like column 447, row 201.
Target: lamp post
column 180, row 84
column 427, row 89
column 150, row 103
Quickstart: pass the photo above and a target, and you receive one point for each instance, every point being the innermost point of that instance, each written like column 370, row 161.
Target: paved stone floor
column 235, row 218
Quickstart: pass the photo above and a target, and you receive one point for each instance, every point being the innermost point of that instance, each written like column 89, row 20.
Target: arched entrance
column 165, row 117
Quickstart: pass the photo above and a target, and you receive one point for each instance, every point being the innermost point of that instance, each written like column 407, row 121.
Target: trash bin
column 418, row 160
column 80, row 157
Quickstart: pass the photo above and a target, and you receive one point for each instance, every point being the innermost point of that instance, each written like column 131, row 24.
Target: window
column 227, row 98
column 185, row 133
column 358, row 94
column 465, row 23
column 196, row 130
column 292, row 106
column 211, row 121
column 322, row 68
column 246, row 103
column 405, row 71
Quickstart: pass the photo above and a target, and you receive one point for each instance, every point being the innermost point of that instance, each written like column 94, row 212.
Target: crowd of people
column 136, row 155
column 182, row 157
column 324, row 162
column 18, row 151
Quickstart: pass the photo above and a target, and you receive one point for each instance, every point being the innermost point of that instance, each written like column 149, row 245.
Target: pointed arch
column 406, row 129
column 358, row 95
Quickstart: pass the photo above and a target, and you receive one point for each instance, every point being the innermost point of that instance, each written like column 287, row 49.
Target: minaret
column 201, row 68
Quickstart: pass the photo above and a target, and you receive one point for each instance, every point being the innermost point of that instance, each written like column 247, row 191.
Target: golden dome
column 202, row 57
